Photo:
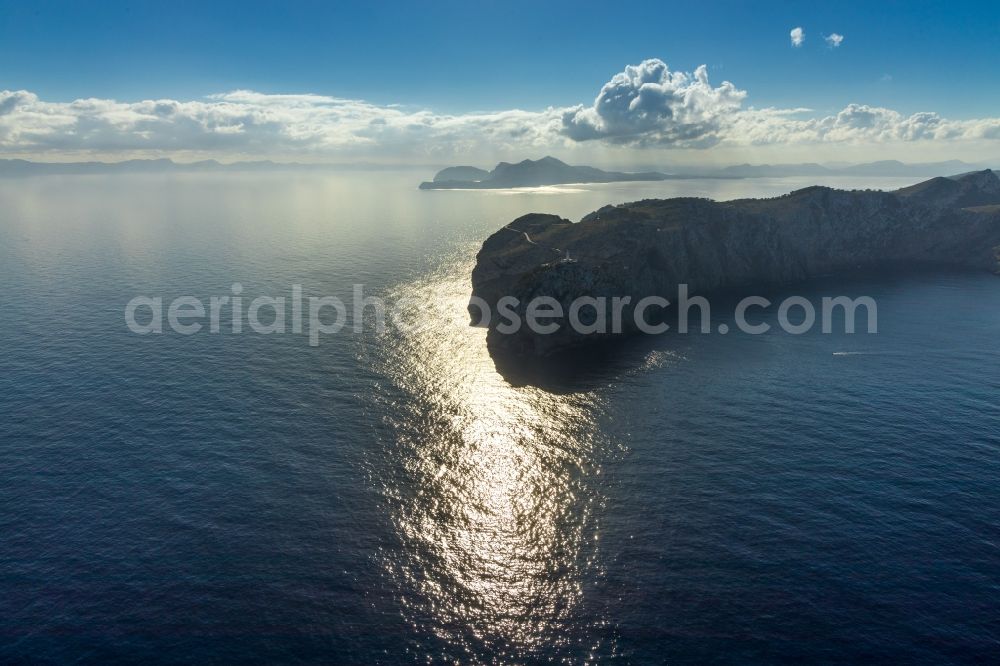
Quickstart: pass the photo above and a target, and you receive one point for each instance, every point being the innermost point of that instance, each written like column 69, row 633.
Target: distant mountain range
column 887, row 168
column 551, row 171
column 28, row 168
column 528, row 173
column 25, row 167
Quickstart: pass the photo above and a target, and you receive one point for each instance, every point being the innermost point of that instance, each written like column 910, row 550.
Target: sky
column 476, row 81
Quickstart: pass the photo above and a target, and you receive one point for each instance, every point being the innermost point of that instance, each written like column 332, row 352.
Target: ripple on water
column 495, row 505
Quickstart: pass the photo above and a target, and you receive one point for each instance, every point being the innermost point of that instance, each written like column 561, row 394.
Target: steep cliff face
column 650, row 247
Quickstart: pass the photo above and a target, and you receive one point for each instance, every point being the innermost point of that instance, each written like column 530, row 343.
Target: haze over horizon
column 785, row 85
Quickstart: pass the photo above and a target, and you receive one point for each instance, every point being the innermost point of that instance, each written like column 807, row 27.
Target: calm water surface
column 394, row 499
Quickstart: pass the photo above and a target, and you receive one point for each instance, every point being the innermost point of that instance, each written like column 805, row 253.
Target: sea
column 398, row 496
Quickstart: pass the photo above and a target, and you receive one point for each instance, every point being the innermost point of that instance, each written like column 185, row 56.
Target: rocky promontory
column 650, row 247
column 530, row 173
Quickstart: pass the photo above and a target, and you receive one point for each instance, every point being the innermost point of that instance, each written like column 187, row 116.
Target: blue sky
column 466, row 57
column 461, row 56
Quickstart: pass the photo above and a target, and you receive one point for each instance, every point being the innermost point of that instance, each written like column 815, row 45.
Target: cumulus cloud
column 256, row 123
column 834, row 40
column 646, row 105
column 11, row 100
column 798, row 36
column 649, row 104
column 856, row 124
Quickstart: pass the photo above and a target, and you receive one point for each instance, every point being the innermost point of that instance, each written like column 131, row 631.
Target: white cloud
column 11, row 100
column 646, row 105
column 834, row 40
column 798, row 36
column 255, row 123
column 649, row 104
column 856, row 124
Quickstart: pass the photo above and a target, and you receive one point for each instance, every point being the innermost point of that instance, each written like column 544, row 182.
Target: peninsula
column 650, row 247
column 530, row 173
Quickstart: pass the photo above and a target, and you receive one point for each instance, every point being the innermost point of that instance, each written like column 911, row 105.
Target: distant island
column 650, row 247
column 530, row 173
column 551, row 171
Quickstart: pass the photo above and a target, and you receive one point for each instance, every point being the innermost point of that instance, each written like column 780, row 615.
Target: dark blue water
column 392, row 498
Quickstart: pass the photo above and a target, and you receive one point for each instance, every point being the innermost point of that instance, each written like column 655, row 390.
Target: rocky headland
column 650, row 247
column 530, row 173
